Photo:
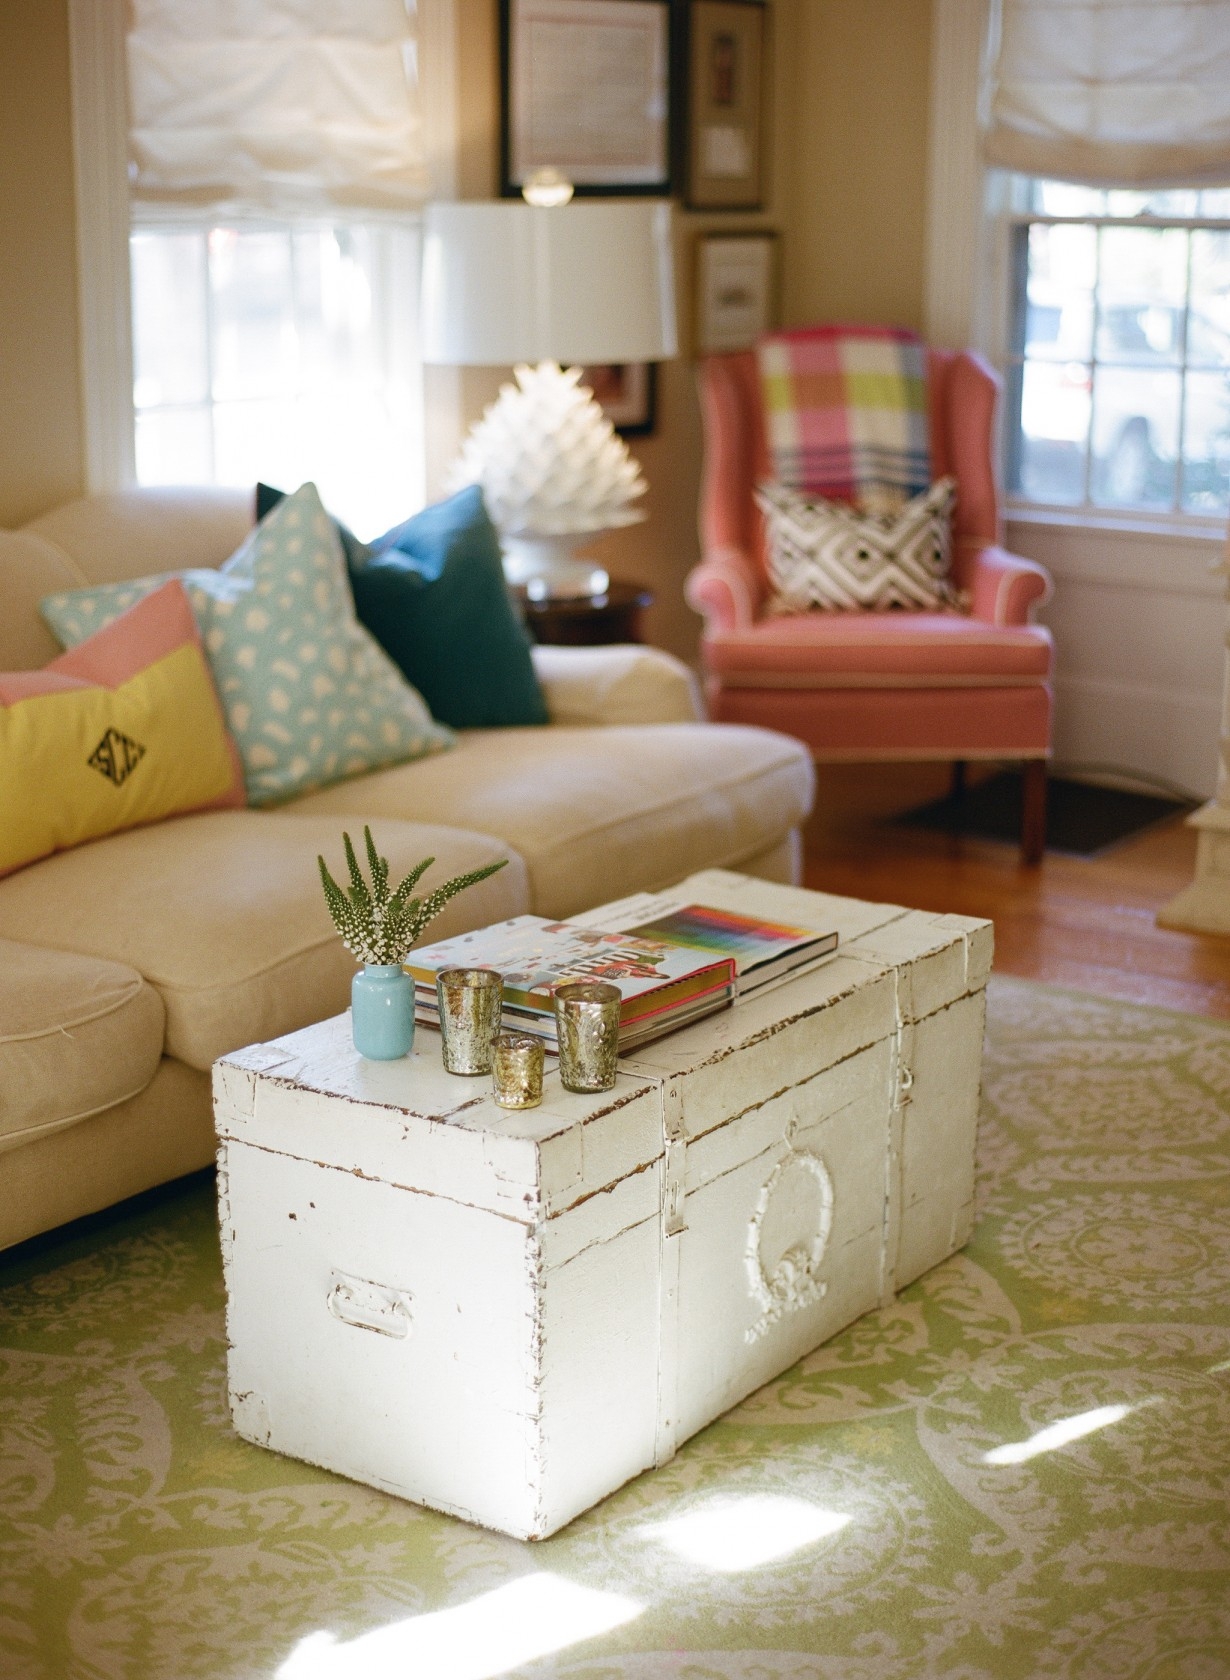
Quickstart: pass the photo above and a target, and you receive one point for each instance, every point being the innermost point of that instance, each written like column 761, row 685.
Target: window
column 1118, row 367
column 282, row 351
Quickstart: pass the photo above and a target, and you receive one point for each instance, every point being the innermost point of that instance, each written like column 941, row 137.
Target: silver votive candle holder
column 516, row 1070
column 587, row 1026
column 470, row 1001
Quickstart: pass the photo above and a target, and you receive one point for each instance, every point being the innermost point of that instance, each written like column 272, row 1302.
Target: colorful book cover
column 753, row 944
column 535, row 955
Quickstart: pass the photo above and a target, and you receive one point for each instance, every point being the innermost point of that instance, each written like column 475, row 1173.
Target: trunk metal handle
column 368, row 1305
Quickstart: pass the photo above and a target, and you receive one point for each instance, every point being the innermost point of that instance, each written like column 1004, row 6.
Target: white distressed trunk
column 506, row 1315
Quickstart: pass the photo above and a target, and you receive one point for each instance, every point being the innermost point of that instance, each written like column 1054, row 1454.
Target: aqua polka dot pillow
column 310, row 696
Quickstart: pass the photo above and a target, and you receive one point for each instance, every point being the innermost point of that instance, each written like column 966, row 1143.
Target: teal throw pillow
column 433, row 594
column 309, row 696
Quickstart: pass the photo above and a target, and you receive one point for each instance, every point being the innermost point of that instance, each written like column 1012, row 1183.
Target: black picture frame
column 722, row 61
column 589, row 31
column 627, row 393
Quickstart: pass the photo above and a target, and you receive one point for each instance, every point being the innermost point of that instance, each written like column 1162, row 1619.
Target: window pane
column 255, row 343
column 1061, row 198
column 170, row 359
column 1206, row 444
column 316, row 367
column 1208, row 332
column 1062, row 271
column 259, row 440
column 1215, row 201
column 333, row 297
column 1177, row 202
column 1054, row 428
column 1135, row 437
column 1142, row 276
column 173, row 446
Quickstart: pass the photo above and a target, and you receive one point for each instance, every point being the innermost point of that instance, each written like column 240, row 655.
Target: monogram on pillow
column 841, row 559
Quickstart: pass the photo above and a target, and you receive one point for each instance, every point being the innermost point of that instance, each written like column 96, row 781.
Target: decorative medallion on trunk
column 787, row 1238
column 116, row 756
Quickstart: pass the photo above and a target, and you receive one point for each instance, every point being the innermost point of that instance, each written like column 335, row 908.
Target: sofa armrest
column 724, row 590
column 623, row 684
column 1006, row 586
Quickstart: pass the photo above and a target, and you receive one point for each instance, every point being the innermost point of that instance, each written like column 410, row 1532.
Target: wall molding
column 440, row 96
column 953, row 309
column 100, row 158
column 1130, row 560
column 1141, row 729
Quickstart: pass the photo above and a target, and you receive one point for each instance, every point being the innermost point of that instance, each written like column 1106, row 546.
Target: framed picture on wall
column 585, row 89
column 735, row 289
column 724, row 150
column 627, row 393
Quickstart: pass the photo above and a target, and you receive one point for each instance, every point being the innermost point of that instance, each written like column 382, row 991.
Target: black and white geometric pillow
column 823, row 554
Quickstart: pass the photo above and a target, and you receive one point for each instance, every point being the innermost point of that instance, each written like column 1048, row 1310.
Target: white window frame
column 1013, row 191
column 96, row 30
column 971, row 211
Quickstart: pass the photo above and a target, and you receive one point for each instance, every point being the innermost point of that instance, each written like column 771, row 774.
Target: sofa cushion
column 597, row 813
column 310, row 696
column 30, row 567
column 879, row 650
column 79, row 1035
column 223, row 913
column 129, row 533
column 824, row 555
column 628, row 683
column 433, row 594
column 124, row 729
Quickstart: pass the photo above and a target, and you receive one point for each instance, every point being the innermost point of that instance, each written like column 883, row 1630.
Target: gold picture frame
column 725, row 99
column 736, row 290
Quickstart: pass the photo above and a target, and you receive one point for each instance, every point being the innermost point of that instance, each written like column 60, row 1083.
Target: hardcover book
column 763, row 951
column 662, row 983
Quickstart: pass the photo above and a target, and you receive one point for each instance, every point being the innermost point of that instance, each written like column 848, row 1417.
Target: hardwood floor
column 1087, row 923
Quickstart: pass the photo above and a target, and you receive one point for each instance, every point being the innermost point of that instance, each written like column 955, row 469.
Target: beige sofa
column 128, row 965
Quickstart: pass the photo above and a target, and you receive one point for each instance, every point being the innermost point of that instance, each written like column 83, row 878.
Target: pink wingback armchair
column 877, row 685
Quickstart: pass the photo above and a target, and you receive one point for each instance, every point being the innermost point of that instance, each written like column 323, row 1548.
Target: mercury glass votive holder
column 470, row 1002
column 516, row 1070
column 587, row 1026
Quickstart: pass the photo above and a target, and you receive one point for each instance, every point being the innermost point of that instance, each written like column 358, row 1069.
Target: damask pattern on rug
column 1020, row 1470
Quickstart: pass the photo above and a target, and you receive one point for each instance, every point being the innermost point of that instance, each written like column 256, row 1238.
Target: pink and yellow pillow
column 124, row 729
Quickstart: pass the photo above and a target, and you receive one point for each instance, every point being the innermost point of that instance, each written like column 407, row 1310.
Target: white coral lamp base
column 554, row 474
column 547, row 567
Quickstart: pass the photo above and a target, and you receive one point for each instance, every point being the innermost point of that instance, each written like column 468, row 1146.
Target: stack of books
column 763, row 952
column 680, row 963
column 662, row 985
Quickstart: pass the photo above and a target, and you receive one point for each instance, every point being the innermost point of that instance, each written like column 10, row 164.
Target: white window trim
column 99, row 81
column 100, row 155
column 965, row 300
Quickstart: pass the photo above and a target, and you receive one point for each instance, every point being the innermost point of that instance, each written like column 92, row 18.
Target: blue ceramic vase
column 382, row 1011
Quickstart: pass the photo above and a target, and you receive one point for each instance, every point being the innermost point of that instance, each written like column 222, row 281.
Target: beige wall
column 855, row 214
column 40, row 388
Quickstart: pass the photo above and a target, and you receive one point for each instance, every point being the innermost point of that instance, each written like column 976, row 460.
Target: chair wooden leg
column 957, row 791
column 1033, row 812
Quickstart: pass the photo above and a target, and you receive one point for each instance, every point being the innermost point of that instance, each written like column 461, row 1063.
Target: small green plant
column 378, row 926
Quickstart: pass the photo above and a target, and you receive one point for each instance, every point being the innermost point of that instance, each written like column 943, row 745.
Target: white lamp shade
column 505, row 282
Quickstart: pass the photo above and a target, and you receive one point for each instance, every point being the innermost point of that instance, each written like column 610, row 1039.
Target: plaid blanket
column 846, row 412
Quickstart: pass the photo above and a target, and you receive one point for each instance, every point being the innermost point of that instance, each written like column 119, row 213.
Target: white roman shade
column 275, row 105
column 1119, row 92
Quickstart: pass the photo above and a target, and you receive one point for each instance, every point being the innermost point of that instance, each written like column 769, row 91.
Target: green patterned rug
column 1020, row 1469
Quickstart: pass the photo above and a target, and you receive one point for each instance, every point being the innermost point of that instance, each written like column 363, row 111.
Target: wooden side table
column 588, row 620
